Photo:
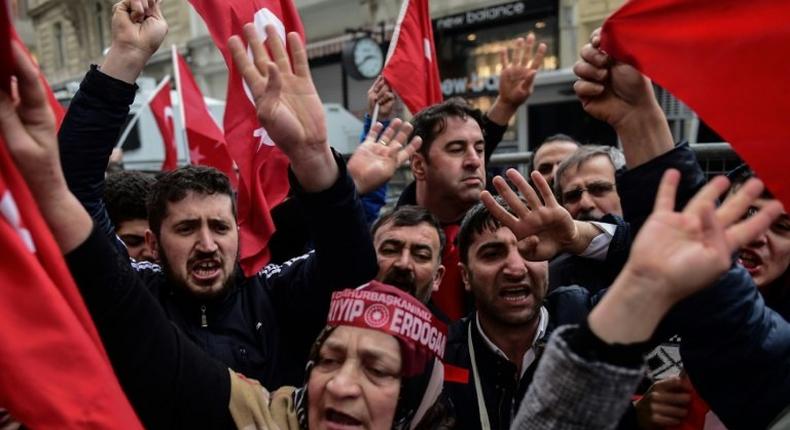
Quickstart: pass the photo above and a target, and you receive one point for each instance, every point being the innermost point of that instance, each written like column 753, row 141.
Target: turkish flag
column 726, row 60
column 206, row 142
column 162, row 109
column 54, row 372
column 411, row 69
column 263, row 168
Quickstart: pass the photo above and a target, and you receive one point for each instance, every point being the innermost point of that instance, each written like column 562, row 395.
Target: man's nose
column 472, row 159
column 206, row 242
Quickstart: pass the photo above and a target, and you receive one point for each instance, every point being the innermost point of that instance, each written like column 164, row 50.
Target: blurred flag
column 162, row 109
column 206, row 142
column 54, row 372
column 263, row 168
column 411, row 69
column 731, row 69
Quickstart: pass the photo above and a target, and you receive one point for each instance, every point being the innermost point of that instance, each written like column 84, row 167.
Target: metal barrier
column 714, row 158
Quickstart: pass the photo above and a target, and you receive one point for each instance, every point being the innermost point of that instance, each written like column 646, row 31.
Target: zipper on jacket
column 203, row 317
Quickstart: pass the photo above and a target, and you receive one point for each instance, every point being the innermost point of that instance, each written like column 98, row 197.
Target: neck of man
column 447, row 211
column 513, row 340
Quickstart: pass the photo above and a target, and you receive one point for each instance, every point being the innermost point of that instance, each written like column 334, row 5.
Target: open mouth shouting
column 337, row 420
column 516, row 295
column 750, row 261
column 205, row 270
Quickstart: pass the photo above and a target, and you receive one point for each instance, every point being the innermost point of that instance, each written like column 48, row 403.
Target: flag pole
column 181, row 109
column 139, row 112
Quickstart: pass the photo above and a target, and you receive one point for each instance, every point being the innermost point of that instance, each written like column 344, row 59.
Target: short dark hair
column 739, row 175
column 125, row 193
column 173, row 186
column 410, row 216
column 477, row 220
column 559, row 137
column 432, row 121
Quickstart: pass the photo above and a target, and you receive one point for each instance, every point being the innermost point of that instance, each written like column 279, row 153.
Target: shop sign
column 470, row 86
column 482, row 16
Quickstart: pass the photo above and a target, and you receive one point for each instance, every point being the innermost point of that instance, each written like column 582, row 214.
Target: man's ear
column 437, row 277
column 465, row 275
column 419, row 166
column 152, row 244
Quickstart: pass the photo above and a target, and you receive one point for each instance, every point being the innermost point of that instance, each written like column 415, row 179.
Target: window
column 99, row 17
column 60, row 45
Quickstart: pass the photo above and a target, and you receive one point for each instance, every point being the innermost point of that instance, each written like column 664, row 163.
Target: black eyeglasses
column 596, row 189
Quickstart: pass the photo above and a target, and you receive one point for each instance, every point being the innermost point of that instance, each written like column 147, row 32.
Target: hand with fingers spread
column 545, row 225
column 380, row 93
column 665, row 404
column 517, row 78
column 287, row 103
column 138, row 29
column 28, row 127
column 377, row 158
column 688, row 250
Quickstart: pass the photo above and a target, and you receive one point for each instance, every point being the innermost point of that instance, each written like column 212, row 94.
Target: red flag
column 724, row 59
column 411, row 69
column 162, row 109
column 262, row 166
column 54, row 372
column 206, row 142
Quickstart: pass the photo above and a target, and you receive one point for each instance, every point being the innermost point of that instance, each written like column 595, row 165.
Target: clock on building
column 363, row 58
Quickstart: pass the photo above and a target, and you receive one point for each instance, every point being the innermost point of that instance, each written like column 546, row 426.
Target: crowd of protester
column 607, row 289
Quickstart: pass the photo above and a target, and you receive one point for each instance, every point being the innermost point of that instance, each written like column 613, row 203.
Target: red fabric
column 451, row 296
column 411, row 69
column 162, row 109
column 206, row 142
column 697, row 409
column 263, row 168
column 455, row 374
column 54, row 372
column 724, row 59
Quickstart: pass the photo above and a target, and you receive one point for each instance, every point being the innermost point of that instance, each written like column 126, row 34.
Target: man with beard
column 409, row 243
column 261, row 326
column 585, row 182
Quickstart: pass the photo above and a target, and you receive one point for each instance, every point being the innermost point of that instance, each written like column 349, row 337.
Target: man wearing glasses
column 585, row 183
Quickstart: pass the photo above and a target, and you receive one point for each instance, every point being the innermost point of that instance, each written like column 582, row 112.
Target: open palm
column 377, row 158
column 286, row 100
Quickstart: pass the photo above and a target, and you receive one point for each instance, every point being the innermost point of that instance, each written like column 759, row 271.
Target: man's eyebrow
column 490, row 245
column 392, row 242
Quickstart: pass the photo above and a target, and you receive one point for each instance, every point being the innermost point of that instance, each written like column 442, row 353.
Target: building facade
column 71, row 34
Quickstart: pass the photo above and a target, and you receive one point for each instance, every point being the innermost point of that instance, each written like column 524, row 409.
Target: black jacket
column 502, row 388
column 263, row 326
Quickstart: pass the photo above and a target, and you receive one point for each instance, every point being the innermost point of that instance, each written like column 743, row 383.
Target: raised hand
column 377, row 158
column 138, row 29
column 683, row 252
column 545, row 225
column 287, row 103
column 517, row 78
column 609, row 90
column 617, row 93
column 380, row 93
column 28, row 128
column 28, row 125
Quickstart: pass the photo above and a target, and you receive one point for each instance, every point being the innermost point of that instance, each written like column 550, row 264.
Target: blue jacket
column 264, row 325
